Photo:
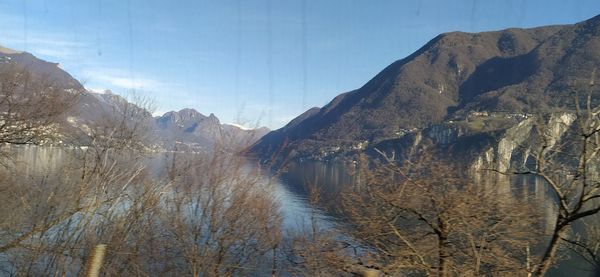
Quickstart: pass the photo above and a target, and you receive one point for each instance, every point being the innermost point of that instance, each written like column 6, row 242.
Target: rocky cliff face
column 515, row 145
column 505, row 149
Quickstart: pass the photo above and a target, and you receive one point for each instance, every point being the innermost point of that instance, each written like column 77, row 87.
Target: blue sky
column 246, row 61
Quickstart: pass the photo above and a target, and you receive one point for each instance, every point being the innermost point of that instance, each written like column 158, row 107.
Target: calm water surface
column 290, row 190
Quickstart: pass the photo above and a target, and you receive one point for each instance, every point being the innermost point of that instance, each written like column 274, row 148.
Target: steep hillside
column 513, row 71
column 40, row 70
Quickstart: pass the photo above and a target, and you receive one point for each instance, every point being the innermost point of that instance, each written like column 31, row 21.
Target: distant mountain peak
column 190, row 127
column 188, row 114
column 186, row 129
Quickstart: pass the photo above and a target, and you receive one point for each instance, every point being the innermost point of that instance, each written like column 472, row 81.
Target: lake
column 289, row 188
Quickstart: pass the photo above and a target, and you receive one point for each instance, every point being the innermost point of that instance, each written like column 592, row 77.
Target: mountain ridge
column 513, row 70
column 200, row 133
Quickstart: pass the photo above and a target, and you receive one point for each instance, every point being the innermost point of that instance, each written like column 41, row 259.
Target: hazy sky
column 248, row 61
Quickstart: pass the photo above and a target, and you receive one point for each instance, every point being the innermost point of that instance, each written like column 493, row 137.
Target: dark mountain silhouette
column 518, row 71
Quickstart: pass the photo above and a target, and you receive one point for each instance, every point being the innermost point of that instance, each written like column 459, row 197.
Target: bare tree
column 427, row 218
column 58, row 208
column 220, row 219
column 312, row 249
column 31, row 106
column 208, row 214
column 570, row 171
column 586, row 245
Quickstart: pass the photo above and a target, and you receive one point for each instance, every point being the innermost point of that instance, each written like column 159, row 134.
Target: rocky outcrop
column 188, row 129
column 514, row 147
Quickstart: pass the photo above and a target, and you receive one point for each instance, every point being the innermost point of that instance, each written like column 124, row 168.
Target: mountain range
column 183, row 130
column 458, row 87
column 465, row 92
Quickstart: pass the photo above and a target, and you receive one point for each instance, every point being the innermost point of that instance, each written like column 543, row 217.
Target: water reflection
column 331, row 178
column 32, row 161
column 291, row 188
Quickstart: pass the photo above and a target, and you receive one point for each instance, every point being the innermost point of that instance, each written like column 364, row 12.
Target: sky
column 250, row 62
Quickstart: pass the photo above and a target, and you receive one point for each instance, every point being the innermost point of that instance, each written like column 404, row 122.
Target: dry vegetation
column 30, row 107
column 213, row 215
column 206, row 215
column 425, row 219
column 571, row 172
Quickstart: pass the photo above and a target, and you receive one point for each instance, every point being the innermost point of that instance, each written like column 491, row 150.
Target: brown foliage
column 208, row 214
column 30, row 107
column 428, row 218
